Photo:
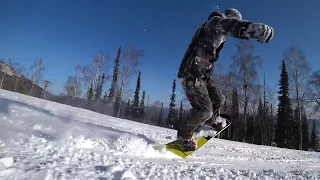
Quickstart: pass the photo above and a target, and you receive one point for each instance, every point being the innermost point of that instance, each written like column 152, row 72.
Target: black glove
column 262, row 32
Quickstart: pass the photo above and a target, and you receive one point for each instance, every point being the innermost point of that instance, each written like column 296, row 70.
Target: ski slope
column 43, row 140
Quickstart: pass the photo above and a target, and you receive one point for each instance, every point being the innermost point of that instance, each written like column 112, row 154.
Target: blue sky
column 67, row 33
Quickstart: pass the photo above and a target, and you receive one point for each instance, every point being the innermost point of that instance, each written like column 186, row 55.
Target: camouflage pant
column 205, row 99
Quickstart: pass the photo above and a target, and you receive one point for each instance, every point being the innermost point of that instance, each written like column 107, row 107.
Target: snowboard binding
column 209, row 130
column 199, row 137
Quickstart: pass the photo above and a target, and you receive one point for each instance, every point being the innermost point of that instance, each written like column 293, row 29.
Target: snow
column 42, row 140
column 6, row 69
column 7, row 161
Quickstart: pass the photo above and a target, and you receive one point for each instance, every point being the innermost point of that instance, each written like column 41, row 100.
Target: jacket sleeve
column 233, row 27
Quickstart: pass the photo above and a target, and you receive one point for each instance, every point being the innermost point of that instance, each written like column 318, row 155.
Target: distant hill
column 8, row 81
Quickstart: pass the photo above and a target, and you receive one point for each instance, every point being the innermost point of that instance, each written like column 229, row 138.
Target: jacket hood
column 228, row 13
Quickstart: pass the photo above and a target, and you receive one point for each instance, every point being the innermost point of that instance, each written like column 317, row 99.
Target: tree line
column 252, row 104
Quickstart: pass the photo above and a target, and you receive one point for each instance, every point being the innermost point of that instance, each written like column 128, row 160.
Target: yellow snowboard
column 176, row 148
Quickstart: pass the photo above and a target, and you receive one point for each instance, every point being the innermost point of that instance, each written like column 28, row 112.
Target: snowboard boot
column 187, row 144
column 219, row 123
column 212, row 126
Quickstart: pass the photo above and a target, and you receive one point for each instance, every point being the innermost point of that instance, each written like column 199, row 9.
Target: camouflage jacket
column 207, row 42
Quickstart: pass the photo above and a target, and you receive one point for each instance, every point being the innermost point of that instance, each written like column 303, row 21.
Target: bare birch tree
column 77, row 83
column 37, row 70
column 298, row 71
column 255, row 96
column 46, row 83
column 244, row 71
column 128, row 67
column 90, row 73
column 225, row 82
column 72, row 87
column 314, row 98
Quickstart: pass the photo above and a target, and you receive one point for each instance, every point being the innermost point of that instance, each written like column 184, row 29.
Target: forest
column 285, row 117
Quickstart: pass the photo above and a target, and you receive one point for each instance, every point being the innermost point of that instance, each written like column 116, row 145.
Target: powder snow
column 43, row 140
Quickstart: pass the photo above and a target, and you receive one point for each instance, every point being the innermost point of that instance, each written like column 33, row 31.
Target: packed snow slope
column 42, row 140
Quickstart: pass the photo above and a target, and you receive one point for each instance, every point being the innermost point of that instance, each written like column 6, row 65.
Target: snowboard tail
column 177, row 149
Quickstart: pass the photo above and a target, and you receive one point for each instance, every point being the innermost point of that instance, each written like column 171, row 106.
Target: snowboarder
column 195, row 72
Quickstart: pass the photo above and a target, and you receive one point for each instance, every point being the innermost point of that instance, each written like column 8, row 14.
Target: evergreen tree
column 153, row 119
column 172, row 110
column 97, row 93
column 135, row 103
column 258, row 135
column 265, row 130
column 160, row 117
column 314, row 139
column 283, row 130
column 176, row 119
column 141, row 107
column 99, row 88
column 112, row 90
column 105, row 97
column 128, row 109
column 295, row 128
column 271, row 126
column 272, row 137
column 181, row 112
column 305, row 131
column 89, row 97
column 250, row 129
